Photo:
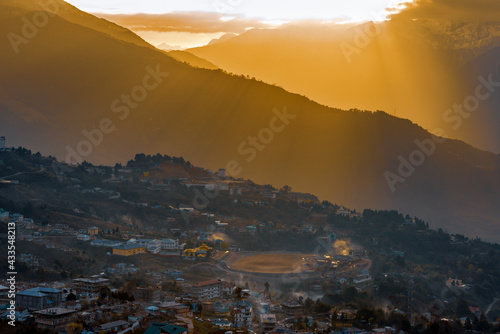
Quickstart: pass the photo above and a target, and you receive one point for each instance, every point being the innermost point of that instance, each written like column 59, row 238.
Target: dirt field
column 272, row 263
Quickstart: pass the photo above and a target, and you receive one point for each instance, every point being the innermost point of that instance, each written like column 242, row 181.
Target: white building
column 106, row 243
column 16, row 217
column 267, row 322
column 221, row 173
column 151, row 245
column 83, row 237
column 170, row 244
column 4, row 215
column 243, row 316
column 208, row 290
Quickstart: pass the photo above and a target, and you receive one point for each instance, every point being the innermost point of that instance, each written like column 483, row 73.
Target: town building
column 207, row 290
column 106, row 243
column 292, row 308
column 147, row 294
column 151, row 245
column 54, row 319
column 267, row 322
column 39, row 298
column 162, row 328
column 93, row 230
column 128, row 249
column 83, row 237
column 91, row 286
column 114, row 326
column 170, row 244
column 243, row 316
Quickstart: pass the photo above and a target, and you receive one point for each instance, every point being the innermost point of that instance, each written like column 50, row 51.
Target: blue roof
column 129, row 246
column 39, row 291
column 160, row 328
column 32, row 293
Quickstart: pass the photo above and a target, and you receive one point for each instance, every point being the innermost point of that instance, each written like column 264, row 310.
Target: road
column 491, row 306
column 20, row 173
column 188, row 321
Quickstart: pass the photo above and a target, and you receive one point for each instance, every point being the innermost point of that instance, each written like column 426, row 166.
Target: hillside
column 415, row 69
column 191, row 59
column 70, row 79
column 71, row 14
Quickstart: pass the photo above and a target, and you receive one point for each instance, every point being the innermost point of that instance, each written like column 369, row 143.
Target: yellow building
column 93, row 230
column 199, row 252
column 129, row 249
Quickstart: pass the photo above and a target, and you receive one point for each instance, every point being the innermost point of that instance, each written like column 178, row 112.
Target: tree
column 70, row 297
column 74, row 328
column 462, row 308
column 286, row 189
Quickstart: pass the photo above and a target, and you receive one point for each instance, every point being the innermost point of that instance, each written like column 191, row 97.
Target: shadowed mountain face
column 78, row 93
column 415, row 69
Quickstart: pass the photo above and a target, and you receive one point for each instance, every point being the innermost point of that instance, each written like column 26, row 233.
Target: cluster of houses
column 17, row 218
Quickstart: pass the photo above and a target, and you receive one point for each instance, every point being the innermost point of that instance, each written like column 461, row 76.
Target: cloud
column 193, row 22
column 468, row 10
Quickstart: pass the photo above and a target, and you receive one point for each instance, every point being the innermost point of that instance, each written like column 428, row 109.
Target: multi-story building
column 147, row 294
column 207, row 290
column 93, row 230
column 267, row 322
column 54, row 319
column 4, row 215
column 243, row 316
column 151, row 245
column 106, row 243
column 2, row 143
column 91, row 286
column 129, row 249
column 39, row 298
column 83, row 237
column 164, row 328
column 170, row 244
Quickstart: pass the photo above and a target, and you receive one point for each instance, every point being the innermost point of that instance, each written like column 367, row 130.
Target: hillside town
column 183, row 260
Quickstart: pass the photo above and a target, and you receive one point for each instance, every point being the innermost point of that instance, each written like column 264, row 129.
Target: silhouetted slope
column 411, row 68
column 191, row 59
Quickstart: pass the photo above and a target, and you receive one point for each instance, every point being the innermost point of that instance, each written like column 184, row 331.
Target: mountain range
column 415, row 69
column 82, row 88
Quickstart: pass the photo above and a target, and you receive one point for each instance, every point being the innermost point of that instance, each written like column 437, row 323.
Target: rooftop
column 214, row 281
column 38, row 292
column 113, row 324
column 128, row 246
column 160, row 328
column 55, row 311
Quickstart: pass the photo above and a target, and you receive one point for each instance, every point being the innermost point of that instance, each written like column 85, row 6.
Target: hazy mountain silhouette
column 71, row 78
column 191, row 59
column 414, row 69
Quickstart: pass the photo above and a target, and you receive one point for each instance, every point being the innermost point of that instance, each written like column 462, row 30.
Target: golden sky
column 183, row 24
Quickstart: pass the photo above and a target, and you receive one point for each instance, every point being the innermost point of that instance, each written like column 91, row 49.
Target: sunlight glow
column 287, row 10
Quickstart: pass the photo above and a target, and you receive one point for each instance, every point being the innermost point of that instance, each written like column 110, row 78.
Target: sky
column 356, row 10
column 182, row 24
